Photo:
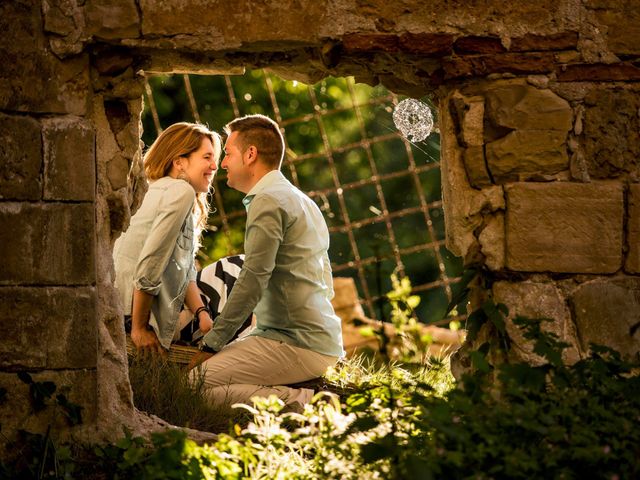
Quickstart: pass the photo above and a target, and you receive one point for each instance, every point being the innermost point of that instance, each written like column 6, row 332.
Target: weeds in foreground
column 164, row 389
column 397, row 421
column 550, row 421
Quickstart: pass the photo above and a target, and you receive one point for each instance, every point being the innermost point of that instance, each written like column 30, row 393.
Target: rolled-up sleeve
column 265, row 231
column 173, row 209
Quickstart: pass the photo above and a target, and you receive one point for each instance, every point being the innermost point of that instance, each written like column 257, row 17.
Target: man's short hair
column 261, row 132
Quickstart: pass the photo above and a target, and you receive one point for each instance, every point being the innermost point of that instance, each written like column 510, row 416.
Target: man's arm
column 265, row 231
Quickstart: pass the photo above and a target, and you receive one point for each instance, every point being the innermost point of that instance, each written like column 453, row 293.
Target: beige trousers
column 256, row 366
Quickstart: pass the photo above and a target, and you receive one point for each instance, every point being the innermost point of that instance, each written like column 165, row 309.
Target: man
column 286, row 280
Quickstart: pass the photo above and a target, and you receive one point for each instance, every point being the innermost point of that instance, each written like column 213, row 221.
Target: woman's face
column 200, row 166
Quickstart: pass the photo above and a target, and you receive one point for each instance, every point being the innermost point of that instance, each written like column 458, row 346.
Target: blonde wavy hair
column 181, row 140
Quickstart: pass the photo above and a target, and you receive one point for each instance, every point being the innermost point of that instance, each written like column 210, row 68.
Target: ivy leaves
column 41, row 392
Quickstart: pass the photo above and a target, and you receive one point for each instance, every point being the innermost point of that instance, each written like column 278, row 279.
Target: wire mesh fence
column 379, row 193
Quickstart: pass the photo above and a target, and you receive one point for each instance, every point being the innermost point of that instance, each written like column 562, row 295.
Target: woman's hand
column 204, row 322
column 146, row 341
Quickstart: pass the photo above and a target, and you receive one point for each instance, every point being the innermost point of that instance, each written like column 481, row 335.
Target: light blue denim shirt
column 286, row 277
column 156, row 253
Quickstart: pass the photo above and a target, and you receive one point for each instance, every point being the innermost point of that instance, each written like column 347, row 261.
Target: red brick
column 481, row 65
column 601, row 72
column 476, row 44
column 370, row 42
column 432, row 44
column 555, row 41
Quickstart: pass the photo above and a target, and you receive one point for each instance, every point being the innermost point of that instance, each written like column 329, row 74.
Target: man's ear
column 252, row 154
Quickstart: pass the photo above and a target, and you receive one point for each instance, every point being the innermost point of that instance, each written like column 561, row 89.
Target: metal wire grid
column 386, row 216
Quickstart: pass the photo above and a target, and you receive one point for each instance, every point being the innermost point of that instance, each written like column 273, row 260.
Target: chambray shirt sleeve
column 265, row 231
column 193, row 273
column 175, row 205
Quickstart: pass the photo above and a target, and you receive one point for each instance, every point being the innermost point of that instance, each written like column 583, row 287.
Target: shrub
column 551, row 421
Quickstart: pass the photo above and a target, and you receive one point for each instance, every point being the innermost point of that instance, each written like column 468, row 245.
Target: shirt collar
column 269, row 179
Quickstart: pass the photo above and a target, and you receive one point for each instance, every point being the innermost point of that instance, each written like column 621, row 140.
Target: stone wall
column 538, row 118
column 550, row 169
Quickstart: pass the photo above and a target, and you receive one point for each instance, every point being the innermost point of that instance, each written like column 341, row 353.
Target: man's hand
column 146, row 342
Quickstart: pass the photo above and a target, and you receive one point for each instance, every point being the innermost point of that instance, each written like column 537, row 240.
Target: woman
column 154, row 258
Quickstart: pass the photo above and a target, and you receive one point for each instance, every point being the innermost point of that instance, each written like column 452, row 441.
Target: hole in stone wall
column 380, row 193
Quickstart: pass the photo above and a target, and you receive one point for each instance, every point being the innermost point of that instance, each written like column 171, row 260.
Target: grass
column 162, row 388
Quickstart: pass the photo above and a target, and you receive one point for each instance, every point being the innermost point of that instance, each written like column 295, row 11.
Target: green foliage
column 411, row 343
column 169, row 456
column 553, row 421
column 549, row 421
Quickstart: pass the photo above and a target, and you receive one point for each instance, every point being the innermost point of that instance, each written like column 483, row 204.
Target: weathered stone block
column 69, row 152
column 61, row 17
column 536, row 301
column 112, row 62
column 118, row 171
column 49, row 244
column 526, row 107
column 607, row 312
column 523, row 153
column 20, row 158
column 564, row 227
column 476, row 168
column 463, row 205
column 492, row 241
column 112, row 18
column 47, row 328
column 632, row 263
column 611, row 137
column 54, row 86
column 621, row 21
column 198, row 26
column 79, row 386
column 473, row 122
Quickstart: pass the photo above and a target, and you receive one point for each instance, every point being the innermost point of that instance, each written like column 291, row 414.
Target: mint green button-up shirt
column 286, row 278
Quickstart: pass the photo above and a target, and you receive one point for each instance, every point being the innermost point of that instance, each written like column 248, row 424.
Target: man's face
column 238, row 174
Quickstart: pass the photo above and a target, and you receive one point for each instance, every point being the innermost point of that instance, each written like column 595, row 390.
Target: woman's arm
column 143, row 338
column 173, row 208
column 193, row 301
